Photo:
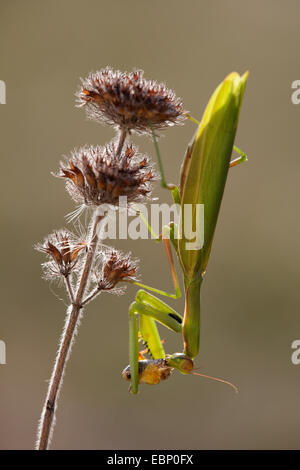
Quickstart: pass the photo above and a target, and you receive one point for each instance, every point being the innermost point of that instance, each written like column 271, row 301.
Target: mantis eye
column 126, row 374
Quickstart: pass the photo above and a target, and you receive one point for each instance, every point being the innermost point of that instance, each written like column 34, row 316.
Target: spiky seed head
column 63, row 250
column 126, row 100
column 97, row 175
column 116, row 267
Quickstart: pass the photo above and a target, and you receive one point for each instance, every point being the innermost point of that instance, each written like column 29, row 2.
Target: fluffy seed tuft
column 63, row 251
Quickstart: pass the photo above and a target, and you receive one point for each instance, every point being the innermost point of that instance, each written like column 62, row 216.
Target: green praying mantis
column 202, row 181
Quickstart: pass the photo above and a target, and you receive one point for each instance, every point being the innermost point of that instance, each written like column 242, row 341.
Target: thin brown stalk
column 90, row 297
column 122, row 139
column 69, row 289
column 68, row 335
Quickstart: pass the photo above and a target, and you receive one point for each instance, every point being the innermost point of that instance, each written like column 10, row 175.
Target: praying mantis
column 202, row 181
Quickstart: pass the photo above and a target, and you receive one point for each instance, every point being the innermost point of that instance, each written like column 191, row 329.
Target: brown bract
column 128, row 101
column 97, row 175
column 116, row 267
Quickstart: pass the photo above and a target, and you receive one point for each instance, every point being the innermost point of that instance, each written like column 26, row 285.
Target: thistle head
column 116, row 267
column 98, row 175
column 128, row 101
column 63, row 251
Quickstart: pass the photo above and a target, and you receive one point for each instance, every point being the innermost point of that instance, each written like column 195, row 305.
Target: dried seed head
column 116, row 268
column 63, row 250
column 97, row 175
column 128, row 101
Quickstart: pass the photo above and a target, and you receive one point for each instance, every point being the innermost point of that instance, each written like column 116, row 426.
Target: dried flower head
column 128, row 101
column 116, row 268
column 63, row 250
column 97, row 175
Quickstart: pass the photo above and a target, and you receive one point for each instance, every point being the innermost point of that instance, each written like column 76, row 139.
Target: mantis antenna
column 217, row 380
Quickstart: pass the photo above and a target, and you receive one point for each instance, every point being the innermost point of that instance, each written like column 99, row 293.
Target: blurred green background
column 251, row 294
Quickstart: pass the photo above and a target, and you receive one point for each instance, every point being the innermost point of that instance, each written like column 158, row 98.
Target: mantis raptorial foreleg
column 149, row 308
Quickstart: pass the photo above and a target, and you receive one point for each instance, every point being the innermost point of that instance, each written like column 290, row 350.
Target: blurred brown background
column 251, row 296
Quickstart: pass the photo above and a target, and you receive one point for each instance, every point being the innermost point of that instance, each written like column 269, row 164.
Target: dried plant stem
column 90, row 297
column 69, row 289
column 69, row 332
column 122, row 139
